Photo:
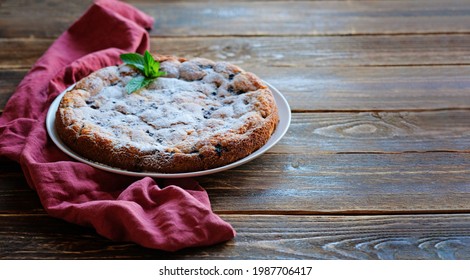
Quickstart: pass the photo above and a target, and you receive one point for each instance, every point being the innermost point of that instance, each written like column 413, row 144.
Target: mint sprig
column 146, row 65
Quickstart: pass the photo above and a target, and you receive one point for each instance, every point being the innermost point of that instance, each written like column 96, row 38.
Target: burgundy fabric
column 171, row 216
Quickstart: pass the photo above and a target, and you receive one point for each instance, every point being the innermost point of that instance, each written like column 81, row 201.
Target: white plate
column 281, row 129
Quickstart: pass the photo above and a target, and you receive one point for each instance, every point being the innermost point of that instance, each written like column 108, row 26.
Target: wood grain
column 376, row 163
column 21, row 53
column 258, row 237
column 306, row 51
column 30, row 19
column 371, row 88
column 353, row 88
column 398, row 50
column 253, row 18
column 308, row 18
column 9, row 80
column 377, row 132
column 364, row 237
column 313, row 183
column 15, row 194
column 344, row 183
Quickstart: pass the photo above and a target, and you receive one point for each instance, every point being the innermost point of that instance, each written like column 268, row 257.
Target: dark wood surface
column 375, row 165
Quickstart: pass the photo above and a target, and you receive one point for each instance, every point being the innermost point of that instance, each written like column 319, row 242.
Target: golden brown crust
column 91, row 140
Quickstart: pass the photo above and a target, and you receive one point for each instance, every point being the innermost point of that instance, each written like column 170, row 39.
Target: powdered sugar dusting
column 196, row 101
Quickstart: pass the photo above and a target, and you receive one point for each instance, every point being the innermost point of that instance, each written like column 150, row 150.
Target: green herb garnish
column 146, row 65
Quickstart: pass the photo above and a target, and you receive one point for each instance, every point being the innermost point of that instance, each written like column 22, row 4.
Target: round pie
column 201, row 115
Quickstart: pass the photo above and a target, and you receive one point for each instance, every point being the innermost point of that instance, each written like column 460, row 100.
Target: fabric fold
column 167, row 216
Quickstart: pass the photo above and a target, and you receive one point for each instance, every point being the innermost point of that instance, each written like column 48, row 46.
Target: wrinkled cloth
column 170, row 216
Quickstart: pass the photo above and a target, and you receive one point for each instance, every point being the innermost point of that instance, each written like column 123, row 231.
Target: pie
column 201, row 115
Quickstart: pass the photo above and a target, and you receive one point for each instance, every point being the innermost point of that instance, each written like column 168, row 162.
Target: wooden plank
column 258, row 237
column 354, row 237
column 402, row 132
column 21, row 53
column 313, row 183
column 15, row 194
column 379, row 50
column 371, row 88
column 320, row 134
column 377, row 132
column 404, row 50
column 308, row 18
column 344, row 183
column 252, row 18
column 9, row 80
column 352, row 88
column 49, row 18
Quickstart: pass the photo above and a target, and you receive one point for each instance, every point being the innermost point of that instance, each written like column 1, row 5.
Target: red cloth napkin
column 121, row 208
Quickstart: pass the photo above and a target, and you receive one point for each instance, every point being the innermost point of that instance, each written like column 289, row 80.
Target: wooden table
column 375, row 165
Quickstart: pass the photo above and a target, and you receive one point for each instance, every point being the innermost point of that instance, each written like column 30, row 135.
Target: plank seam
column 188, row 36
column 372, row 152
column 21, row 68
column 348, row 213
column 156, row 36
column 297, row 111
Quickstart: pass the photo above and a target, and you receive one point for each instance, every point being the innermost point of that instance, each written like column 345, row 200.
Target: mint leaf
column 160, row 74
column 155, row 67
column 147, row 66
column 147, row 81
column 133, row 59
column 135, row 84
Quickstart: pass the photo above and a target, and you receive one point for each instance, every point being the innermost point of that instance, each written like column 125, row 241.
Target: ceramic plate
column 281, row 129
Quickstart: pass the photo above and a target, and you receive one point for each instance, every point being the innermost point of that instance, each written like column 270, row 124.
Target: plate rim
column 285, row 120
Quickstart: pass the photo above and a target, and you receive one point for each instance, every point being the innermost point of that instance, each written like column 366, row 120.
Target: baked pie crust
column 201, row 115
